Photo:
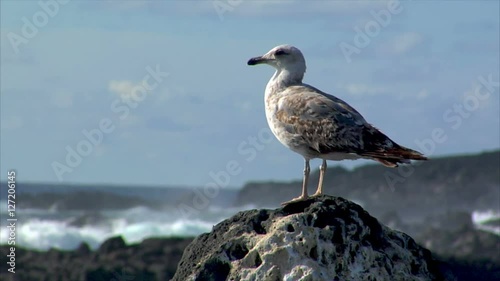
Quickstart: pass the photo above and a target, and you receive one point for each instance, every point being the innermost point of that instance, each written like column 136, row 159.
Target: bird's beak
column 258, row 60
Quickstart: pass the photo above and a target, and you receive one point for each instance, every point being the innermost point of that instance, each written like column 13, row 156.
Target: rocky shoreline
column 156, row 259
column 153, row 259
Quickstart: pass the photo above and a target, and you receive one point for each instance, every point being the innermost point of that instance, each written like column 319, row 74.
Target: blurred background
column 142, row 119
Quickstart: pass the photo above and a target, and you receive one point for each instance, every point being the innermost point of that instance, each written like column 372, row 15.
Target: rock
column 154, row 259
column 83, row 249
column 322, row 238
column 111, row 245
column 91, row 201
column 466, row 243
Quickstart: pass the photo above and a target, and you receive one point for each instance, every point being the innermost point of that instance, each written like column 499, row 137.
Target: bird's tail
column 381, row 148
column 396, row 155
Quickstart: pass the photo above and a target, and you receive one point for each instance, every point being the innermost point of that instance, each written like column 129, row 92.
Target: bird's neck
column 283, row 78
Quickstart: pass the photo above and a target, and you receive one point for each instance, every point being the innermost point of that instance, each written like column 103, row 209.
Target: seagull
column 315, row 124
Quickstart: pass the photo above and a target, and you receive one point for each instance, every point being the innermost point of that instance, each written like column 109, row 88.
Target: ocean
column 65, row 216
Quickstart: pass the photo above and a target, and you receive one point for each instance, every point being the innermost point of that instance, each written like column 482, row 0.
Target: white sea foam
column 480, row 218
column 44, row 234
column 135, row 224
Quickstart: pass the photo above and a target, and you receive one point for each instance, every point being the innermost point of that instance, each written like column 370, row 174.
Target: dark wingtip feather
column 398, row 155
column 407, row 153
column 381, row 148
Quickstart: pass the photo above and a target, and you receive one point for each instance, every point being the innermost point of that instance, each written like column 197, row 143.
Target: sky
column 159, row 93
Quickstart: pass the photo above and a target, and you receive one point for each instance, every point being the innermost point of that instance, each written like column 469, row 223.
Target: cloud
column 477, row 47
column 166, row 124
column 151, row 155
column 62, row 99
column 244, row 105
column 470, row 97
column 122, row 88
column 120, row 6
column 399, row 44
column 405, row 44
column 132, row 120
column 100, row 150
column 11, row 123
column 363, row 89
column 476, row 26
column 127, row 5
column 126, row 89
column 9, row 56
column 154, row 8
column 401, row 72
column 423, row 94
column 298, row 9
column 21, row 59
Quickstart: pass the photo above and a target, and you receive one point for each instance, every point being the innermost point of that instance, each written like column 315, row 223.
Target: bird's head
column 283, row 57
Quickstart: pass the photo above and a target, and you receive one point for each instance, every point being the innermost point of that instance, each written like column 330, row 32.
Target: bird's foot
column 300, row 198
column 317, row 193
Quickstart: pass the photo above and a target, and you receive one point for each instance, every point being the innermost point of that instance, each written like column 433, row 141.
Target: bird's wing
column 328, row 104
column 326, row 123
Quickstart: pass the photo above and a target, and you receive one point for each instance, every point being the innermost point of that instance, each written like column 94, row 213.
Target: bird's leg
column 322, row 170
column 307, row 170
column 304, row 195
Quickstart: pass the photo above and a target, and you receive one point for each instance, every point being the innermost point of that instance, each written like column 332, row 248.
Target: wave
column 482, row 219
column 43, row 229
column 46, row 234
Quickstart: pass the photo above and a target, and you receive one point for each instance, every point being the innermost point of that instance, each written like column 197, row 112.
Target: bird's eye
column 280, row 52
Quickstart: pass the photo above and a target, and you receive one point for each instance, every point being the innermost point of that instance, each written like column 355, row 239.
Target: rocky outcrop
column 323, row 238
